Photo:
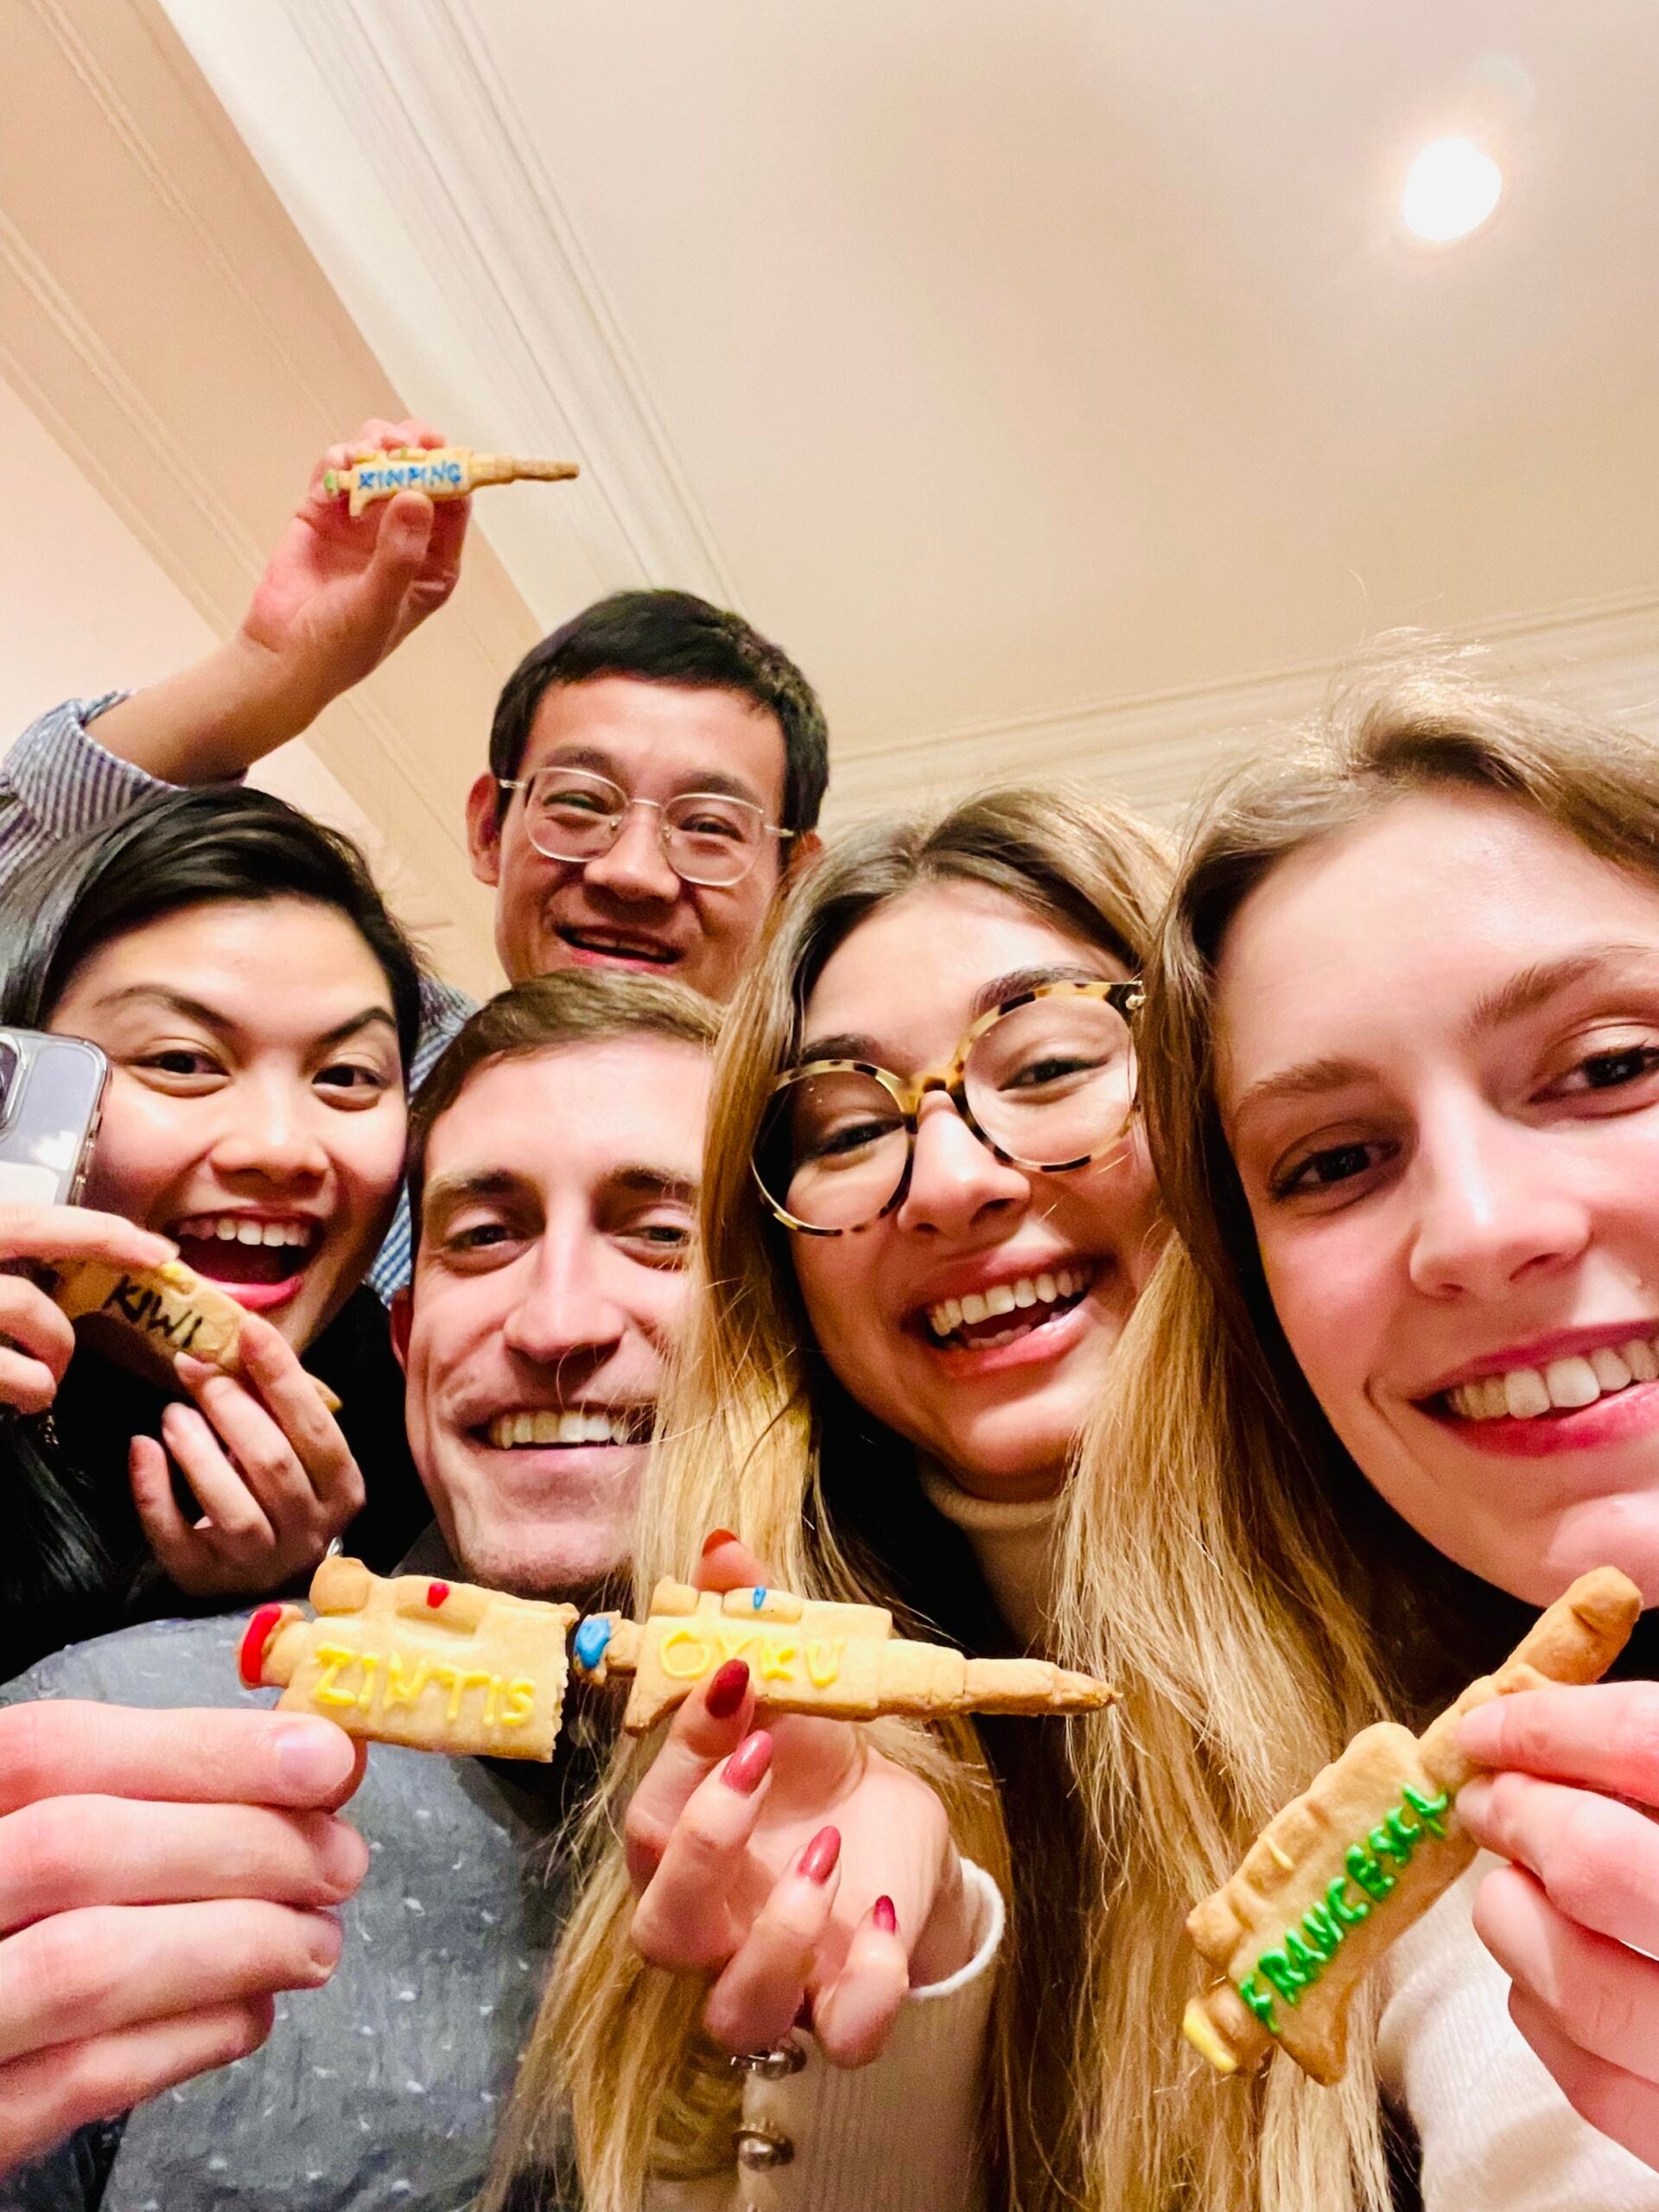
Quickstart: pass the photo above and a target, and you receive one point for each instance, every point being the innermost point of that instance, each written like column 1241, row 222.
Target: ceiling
column 1051, row 378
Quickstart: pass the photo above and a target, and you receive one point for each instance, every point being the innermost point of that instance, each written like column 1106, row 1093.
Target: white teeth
column 1611, row 1372
column 545, row 1427
column 238, row 1229
column 1581, row 1379
column 949, row 1315
column 226, row 1228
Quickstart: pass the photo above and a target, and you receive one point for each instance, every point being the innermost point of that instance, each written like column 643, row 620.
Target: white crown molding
column 464, row 175
column 1159, row 749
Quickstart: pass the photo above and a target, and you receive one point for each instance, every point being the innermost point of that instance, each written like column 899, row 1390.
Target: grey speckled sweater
column 380, row 2092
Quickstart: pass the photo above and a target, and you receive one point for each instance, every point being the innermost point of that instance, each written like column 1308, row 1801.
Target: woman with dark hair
column 259, row 1006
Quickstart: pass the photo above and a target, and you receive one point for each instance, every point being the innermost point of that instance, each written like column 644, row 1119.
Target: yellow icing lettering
column 778, row 1661
column 824, row 1662
column 733, row 1640
column 331, row 1657
column 520, row 1704
column 683, row 1657
column 482, row 1679
column 453, row 1676
column 400, row 1690
column 371, row 1668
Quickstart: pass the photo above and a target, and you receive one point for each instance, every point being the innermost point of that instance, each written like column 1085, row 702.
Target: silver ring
column 774, row 2065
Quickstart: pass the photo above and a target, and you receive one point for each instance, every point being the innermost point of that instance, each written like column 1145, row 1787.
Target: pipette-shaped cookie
column 438, row 1666
column 809, row 1656
column 1344, row 1869
column 164, row 1311
column 441, row 471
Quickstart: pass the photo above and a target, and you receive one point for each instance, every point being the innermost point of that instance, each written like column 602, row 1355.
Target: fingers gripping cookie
column 441, row 472
column 809, row 1656
column 164, row 1311
column 1346, row 1868
column 437, row 1666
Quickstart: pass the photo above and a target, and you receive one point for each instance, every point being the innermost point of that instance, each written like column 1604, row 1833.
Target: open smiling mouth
column 1561, row 1386
column 618, row 944
column 242, row 1251
column 585, row 1424
column 1008, row 1311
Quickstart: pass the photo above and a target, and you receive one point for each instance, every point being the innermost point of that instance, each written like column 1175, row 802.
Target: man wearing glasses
column 655, row 766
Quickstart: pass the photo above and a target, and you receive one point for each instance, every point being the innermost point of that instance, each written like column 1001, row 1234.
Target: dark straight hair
column 178, row 849
column 672, row 638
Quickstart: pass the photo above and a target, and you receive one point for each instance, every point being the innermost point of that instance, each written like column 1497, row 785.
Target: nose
column 636, row 867
column 562, row 1316
column 271, row 1132
column 1495, row 1207
column 957, row 1183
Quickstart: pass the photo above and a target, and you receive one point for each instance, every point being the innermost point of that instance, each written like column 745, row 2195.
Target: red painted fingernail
column 817, row 1861
column 716, row 1538
column 746, row 1770
column 883, row 1916
column 725, row 1691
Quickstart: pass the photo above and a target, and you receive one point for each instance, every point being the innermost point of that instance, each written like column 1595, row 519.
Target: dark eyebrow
column 196, row 1010
column 1523, row 994
column 655, row 1183
column 716, row 781
column 1528, row 990
column 850, row 1046
column 448, row 1191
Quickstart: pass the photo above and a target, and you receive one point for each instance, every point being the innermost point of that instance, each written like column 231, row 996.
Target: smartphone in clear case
column 51, row 1099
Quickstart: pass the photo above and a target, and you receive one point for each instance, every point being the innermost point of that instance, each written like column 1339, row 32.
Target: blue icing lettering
column 592, row 1637
column 759, row 1598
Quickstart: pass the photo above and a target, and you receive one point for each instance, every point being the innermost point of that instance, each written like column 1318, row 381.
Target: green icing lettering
column 1322, row 1932
column 1308, row 1963
column 1430, row 1810
column 1367, row 1872
column 1259, row 2002
column 1346, row 1915
column 1286, row 1976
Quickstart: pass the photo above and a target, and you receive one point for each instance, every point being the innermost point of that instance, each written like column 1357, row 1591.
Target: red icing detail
column 250, row 1660
column 435, row 1594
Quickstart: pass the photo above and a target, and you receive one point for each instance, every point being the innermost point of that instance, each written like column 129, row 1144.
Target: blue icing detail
column 759, row 1598
column 592, row 1637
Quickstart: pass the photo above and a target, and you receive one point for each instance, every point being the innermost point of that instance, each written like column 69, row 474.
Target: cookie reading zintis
column 415, row 1660
column 161, row 1311
column 1347, row 1867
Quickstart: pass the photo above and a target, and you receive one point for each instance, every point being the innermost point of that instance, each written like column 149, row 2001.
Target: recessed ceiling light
column 1452, row 189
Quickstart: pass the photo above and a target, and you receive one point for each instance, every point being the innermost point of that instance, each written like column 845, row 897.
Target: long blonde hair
column 1228, row 1563
column 756, row 1435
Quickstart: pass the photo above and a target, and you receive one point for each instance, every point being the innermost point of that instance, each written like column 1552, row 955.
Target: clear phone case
column 51, row 1097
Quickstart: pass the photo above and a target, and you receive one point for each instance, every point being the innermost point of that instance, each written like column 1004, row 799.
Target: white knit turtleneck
column 1012, row 1543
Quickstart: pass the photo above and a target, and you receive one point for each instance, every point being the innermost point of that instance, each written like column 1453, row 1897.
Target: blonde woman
column 1401, row 1067
column 927, row 1215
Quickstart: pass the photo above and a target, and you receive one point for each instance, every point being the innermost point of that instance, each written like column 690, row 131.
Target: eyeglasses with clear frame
column 706, row 838
column 1045, row 1081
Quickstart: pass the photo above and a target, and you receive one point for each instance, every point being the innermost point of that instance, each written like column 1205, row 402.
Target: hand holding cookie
column 162, row 1876
column 792, row 1863
column 1574, row 1918
column 37, row 1340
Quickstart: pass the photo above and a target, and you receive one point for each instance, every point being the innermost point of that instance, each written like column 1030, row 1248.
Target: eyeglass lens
column 573, row 814
column 1049, row 1082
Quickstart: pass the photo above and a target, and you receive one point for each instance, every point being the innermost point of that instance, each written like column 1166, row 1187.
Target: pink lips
column 1623, row 1417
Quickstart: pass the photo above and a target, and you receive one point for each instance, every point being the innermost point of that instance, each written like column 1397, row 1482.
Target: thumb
column 728, row 1564
column 399, row 549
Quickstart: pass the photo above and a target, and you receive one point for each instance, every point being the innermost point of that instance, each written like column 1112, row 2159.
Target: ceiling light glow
column 1452, row 189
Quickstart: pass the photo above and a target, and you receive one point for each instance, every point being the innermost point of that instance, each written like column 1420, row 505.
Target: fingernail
column 342, row 1857
column 311, row 1757
column 322, row 1940
column 1474, row 1797
column 726, row 1691
column 746, row 1770
column 883, row 1916
column 817, row 1861
column 716, row 1538
column 1480, row 1733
